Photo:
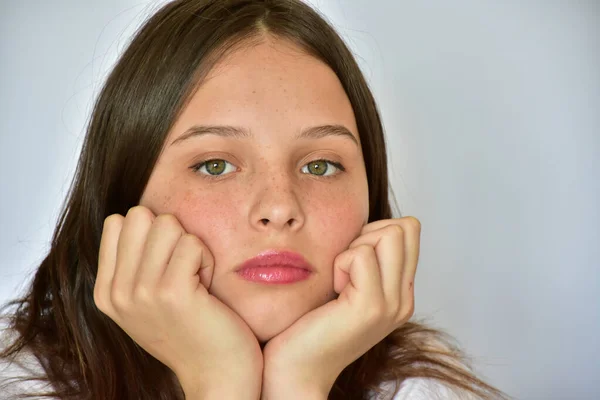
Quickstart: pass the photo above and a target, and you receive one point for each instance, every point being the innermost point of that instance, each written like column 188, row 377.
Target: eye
column 215, row 167
column 322, row 168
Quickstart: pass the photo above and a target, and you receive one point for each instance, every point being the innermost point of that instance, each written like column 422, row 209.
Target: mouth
column 275, row 267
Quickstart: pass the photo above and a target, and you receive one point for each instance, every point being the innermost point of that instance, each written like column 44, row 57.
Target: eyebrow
column 314, row 132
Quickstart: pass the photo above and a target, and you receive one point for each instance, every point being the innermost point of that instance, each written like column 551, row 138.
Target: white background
column 492, row 114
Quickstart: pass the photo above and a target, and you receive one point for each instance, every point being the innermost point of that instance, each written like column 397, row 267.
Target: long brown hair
column 84, row 354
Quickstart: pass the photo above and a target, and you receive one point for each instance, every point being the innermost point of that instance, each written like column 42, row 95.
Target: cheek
column 339, row 224
column 210, row 216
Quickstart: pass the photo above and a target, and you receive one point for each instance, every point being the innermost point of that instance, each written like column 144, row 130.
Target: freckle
column 410, row 287
column 187, row 197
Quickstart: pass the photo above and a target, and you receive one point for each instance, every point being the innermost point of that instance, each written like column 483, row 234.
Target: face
column 265, row 187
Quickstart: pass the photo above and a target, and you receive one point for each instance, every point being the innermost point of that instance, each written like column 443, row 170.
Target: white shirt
column 425, row 389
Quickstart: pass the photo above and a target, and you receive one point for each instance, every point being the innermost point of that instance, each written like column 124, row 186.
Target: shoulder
column 20, row 374
column 421, row 389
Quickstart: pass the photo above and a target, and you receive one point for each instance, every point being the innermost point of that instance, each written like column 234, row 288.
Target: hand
column 152, row 281
column 375, row 282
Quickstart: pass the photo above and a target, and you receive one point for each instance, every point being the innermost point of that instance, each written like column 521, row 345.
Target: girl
column 228, row 233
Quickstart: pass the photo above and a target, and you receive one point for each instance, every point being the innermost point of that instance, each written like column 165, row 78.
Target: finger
column 388, row 243
column 360, row 264
column 160, row 244
column 373, row 226
column 341, row 280
column 412, row 245
column 107, row 260
column 130, row 248
column 376, row 225
column 191, row 266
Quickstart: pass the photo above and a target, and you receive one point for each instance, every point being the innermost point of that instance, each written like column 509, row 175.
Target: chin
column 269, row 310
column 267, row 321
column 265, row 333
column 270, row 313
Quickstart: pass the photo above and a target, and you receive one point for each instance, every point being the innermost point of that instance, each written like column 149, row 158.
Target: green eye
column 318, row 167
column 322, row 168
column 215, row 167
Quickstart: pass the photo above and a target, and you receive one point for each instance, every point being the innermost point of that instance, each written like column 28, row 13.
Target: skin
column 274, row 91
column 166, row 271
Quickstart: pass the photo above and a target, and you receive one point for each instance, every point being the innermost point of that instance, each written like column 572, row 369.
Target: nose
column 276, row 207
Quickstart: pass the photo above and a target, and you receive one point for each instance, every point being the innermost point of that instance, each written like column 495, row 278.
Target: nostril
column 264, row 221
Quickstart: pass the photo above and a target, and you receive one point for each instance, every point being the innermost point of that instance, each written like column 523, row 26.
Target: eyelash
column 196, row 168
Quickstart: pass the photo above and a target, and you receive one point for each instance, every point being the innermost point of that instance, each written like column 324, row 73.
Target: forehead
column 270, row 86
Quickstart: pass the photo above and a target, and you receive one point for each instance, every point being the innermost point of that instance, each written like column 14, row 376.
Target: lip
column 275, row 267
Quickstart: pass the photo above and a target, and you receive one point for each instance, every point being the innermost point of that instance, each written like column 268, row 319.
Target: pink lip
column 275, row 267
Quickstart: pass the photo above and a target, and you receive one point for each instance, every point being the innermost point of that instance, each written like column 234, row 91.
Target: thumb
column 207, row 267
column 341, row 277
column 206, row 274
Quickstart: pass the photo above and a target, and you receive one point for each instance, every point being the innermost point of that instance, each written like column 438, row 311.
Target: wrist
column 231, row 391
column 235, row 381
column 242, row 393
column 295, row 385
column 287, row 390
column 226, row 386
column 294, row 394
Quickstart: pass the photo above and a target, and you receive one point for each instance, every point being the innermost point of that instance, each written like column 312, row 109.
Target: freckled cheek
column 340, row 224
column 212, row 217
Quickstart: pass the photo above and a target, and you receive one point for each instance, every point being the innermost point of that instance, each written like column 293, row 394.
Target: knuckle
column 363, row 249
column 119, row 300
column 195, row 248
column 191, row 241
column 168, row 222
column 415, row 223
column 340, row 258
column 395, row 230
column 141, row 294
column 164, row 219
column 140, row 212
column 113, row 219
